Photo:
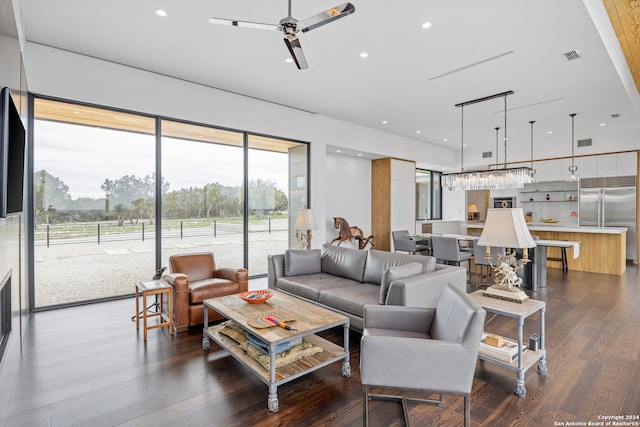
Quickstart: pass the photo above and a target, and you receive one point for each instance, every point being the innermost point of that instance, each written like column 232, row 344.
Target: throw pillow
column 397, row 273
column 299, row 262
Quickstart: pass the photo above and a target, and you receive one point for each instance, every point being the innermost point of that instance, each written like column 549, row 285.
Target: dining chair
column 447, row 250
column 403, row 243
column 480, row 261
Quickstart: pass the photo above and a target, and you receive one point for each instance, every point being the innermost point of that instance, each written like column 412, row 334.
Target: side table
column 156, row 288
column 518, row 311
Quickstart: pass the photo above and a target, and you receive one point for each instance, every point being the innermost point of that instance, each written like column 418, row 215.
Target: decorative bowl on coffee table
column 256, row 297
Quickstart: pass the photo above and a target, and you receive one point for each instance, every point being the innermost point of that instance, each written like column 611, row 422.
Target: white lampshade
column 306, row 220
column 506, row 228
column 472, row 208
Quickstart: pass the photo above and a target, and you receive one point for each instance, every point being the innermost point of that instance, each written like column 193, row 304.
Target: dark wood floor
column 87, row 366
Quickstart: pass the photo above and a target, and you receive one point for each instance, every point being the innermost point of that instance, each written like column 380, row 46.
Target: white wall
column 72, row 76
column 348, row 183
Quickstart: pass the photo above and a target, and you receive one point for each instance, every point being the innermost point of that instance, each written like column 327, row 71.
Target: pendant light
column 573, row 169
column 491, row 178
column 497, row 129
column 533, row 171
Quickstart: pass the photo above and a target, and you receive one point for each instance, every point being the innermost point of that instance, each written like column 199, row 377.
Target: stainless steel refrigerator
column 611, row 202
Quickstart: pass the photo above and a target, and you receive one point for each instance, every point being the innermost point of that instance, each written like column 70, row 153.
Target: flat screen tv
column 12, row 145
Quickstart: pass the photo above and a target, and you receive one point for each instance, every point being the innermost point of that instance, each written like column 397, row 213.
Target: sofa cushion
column 395, row 273
column 343, row 262
column 379, row 261
column 351, row 299
column 297, row 262
column 310, row 286
column 211, row 288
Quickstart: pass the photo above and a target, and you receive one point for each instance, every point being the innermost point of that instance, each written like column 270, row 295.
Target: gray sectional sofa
column 345, row 280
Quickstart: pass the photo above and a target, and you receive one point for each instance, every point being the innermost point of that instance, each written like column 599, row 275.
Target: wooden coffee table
column 310, row 319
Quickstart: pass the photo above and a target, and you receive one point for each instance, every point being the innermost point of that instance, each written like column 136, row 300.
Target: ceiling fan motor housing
column 289, row 25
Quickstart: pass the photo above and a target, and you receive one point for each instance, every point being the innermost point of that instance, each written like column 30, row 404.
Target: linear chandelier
column 490, row 179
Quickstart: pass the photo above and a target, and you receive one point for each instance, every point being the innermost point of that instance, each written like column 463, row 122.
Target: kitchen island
column 602, row 249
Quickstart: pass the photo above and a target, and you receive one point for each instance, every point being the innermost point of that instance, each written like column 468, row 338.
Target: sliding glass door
column 277, row 187
column 98, row 205
column 202, row 192
column 94, row 198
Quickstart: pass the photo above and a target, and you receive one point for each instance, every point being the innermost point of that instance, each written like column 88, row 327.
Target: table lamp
column 506, row 228
column 472, row 212
column 305, row 220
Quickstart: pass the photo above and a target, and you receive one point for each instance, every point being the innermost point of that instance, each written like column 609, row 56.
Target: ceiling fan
column 291, row 26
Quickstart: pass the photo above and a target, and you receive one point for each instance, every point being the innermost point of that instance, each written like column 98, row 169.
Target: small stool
column 154, row 287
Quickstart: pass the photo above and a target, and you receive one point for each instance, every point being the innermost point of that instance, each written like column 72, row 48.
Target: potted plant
column 528, row 217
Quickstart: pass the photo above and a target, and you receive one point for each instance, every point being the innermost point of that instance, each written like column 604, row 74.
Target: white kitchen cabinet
column 607, row 165
column 627, row 164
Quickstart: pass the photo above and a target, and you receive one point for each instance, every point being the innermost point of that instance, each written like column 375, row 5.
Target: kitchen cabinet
column 627, row 164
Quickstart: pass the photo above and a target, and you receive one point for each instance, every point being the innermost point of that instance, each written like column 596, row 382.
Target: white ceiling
column 412, row 77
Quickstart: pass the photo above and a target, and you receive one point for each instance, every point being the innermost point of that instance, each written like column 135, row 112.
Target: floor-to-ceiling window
column 202, row 194
column 277, row 188
column 94, row 198
column 428, row 195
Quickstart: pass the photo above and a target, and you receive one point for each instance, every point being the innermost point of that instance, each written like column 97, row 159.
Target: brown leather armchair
column 194, row 278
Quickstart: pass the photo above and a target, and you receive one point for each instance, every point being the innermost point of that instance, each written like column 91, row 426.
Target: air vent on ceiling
column 585, row 142
column 487, row 154
column 615, row 116
column 572, row 55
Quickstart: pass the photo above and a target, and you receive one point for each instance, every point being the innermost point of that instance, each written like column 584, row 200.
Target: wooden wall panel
column 380, row 203
column 625, row 18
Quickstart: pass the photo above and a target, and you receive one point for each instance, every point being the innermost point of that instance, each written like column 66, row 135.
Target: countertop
column 570, row 228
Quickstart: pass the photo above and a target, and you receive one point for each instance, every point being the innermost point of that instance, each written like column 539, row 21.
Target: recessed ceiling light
column 161, row 12
column 464, row 145
column 603, row 124
column 549, row 132
column 418, row 131
column 384, row 122
column 445, row 140
column 337, row 151
column 364, row 55
column 359, row 154
column 288, row 60
column 426, row 25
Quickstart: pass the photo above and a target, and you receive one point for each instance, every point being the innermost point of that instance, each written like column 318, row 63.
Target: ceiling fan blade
column 245, row 24
column 325, row 17
column 293, row 44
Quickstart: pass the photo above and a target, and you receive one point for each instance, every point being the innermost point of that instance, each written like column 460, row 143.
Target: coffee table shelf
column 331, row 353
column 310, row 319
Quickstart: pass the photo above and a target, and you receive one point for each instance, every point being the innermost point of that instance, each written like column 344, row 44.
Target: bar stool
column 562, row 259
column 156, row 288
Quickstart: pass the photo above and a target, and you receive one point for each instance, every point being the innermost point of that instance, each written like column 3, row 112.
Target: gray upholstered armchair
column 423, row 349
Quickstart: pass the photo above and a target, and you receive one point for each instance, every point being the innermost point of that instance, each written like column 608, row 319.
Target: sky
column 83, row 157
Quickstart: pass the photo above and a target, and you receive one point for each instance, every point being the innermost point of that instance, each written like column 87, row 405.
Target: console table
column 518, row 311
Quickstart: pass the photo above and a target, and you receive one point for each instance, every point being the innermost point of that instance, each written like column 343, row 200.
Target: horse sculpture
column 347, row 233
